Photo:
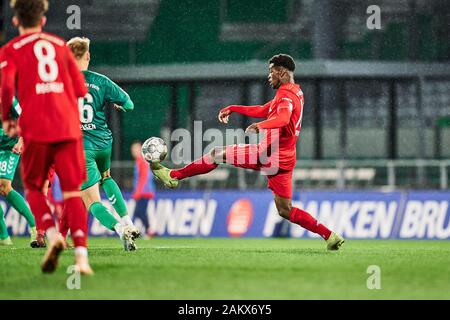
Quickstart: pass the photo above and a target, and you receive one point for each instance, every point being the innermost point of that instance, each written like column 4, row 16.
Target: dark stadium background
column 373, row 154
column 374, row 95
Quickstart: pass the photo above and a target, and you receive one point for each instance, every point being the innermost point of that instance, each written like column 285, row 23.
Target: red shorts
column 246, row 156
column 67, row 157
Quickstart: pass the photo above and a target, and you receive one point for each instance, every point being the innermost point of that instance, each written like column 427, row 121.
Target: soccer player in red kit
column 43, row 71
column 275, row 155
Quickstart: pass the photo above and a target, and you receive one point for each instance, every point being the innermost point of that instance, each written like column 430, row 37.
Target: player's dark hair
column 283, row 60
column 29, row 12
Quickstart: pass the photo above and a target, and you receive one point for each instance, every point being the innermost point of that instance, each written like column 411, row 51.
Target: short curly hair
column 283, row 60
column 29, row 12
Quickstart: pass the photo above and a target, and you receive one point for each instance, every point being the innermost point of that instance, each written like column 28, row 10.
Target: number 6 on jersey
column 86, row 109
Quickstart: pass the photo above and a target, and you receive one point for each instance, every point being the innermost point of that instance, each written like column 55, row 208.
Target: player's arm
column 8, row 84
column 281, row 119
column 118, row 97
column 8, row 87
column 249, row 111
column 79, row 83
column 15, row 113
column 18, row 147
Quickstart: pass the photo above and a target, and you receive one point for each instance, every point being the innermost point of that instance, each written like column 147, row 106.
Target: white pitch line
column 174, row 247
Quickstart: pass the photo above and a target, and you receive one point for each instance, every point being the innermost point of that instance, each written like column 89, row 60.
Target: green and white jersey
column 6, row 142
column 102, row 91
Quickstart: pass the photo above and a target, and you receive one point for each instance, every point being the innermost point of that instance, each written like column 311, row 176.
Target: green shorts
column 97, row 162
column 8, row 164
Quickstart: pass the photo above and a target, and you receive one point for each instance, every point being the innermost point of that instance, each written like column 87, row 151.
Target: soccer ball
column 154, row 150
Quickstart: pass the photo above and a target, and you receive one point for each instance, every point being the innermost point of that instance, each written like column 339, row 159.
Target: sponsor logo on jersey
column 93, row 86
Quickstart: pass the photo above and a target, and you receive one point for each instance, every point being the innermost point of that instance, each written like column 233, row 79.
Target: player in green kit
column 97, row 139
column 10, row 150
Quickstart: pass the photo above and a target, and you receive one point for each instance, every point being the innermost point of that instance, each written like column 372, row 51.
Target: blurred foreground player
column 274, row 156
column 48, row 85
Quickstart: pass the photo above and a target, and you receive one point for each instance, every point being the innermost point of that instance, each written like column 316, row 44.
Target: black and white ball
column 154, row 150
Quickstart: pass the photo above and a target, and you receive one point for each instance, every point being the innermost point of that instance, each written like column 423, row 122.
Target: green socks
column 3, row 230
column 115, row 196
column 102, row 214
column 18, row 202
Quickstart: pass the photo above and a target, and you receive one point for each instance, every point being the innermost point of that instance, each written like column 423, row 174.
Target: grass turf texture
column 165, row 268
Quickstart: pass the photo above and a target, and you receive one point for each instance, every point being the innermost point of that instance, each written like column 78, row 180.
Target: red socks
column 40, row 209
column 199, row 166
column 305, row 220
column 63, row 225
column 76, row 215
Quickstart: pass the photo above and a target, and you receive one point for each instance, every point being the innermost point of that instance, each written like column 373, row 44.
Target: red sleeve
column 281, row 119
column 143, row 174
column 8, row 83
column 251, row 111
column 79, row 83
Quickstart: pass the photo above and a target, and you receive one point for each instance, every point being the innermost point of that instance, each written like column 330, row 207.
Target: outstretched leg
column 205, row 164
column 307, row 221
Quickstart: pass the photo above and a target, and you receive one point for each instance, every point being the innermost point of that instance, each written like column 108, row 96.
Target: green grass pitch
column 186, row 268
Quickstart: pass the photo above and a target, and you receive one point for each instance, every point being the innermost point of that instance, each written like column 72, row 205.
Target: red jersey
column 44, row 72
column 289, row 96
column 282, row 127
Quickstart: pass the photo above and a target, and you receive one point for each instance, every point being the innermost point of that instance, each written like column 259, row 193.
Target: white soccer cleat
column 127, row 238
column 135, row 233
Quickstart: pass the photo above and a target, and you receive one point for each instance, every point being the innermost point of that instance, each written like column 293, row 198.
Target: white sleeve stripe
column 290, row 107
column 3, row 64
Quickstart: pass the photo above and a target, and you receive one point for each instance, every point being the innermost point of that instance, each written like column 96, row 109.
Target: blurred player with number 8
column 43, row 72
